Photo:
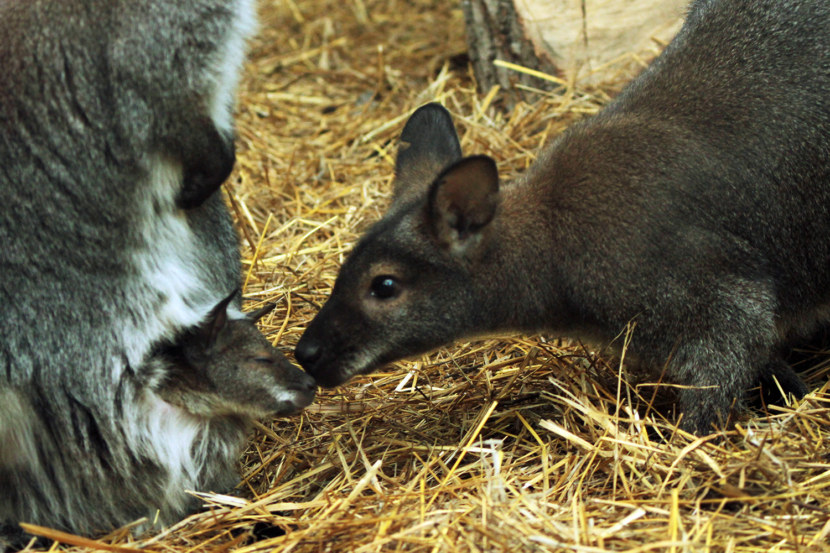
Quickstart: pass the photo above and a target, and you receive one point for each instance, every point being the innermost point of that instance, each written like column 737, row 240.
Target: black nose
column 307, row 353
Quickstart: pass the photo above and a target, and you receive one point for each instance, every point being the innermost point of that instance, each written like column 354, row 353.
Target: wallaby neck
column 518, row 268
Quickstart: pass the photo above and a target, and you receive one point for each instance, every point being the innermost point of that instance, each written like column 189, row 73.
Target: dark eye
column 384, row 287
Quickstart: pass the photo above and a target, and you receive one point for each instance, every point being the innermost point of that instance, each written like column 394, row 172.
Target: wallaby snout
column 694, row 205
column 308, row 352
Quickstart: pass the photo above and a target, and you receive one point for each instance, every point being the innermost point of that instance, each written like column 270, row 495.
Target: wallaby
column 226, row 368
column 696, row 206
column 115, row 131
column 204, row 387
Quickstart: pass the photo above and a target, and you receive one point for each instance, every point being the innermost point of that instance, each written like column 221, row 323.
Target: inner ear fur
column 463, row 200
column 428, row 144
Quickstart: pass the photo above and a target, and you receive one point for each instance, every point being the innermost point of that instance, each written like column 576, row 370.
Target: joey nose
column 305, row 388
column 307, row 384
column 308, row 353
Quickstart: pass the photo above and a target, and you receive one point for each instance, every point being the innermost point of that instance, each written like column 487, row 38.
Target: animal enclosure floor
column 502, row 445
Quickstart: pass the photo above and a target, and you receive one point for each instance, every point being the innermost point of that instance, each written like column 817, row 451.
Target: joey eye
column 384, row 287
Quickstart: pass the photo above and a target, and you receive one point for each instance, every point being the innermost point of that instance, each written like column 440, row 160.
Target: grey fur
column 696, row 205
column 114, row 114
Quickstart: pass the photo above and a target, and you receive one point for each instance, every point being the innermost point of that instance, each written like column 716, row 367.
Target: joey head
column 226, row 367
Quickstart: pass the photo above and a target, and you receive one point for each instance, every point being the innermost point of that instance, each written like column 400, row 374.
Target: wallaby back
column 114, row 116
column 694, row 206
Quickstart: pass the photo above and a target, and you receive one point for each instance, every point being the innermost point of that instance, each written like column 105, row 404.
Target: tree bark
column 574, row 41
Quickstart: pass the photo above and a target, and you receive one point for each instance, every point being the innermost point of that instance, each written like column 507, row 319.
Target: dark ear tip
column 428, row 115
column 433, row 107
column 484, row 161
column 480, row 165
column 257, row 314
column 428, row 136
column 221, row 308
column 217, row 319
column 428, row 143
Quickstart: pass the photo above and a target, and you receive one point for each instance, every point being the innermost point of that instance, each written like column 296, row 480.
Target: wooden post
column 583, row 41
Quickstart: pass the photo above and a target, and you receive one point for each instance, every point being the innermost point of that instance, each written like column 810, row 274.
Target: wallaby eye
column 384, row 287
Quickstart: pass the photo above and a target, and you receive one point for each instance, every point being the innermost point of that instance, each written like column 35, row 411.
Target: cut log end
column 571, row 41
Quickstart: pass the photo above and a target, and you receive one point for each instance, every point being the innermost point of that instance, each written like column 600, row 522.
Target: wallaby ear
column 427, row 145
column 462, row 201
column 216, row 320
column 257, row 314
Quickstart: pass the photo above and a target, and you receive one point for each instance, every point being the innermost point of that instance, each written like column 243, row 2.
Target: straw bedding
column 515, row 444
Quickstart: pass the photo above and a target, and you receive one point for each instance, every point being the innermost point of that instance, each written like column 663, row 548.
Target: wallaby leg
column 716, row 375
column 780, row 373
column 709, row 393
column 714, row 393
column 723, row 352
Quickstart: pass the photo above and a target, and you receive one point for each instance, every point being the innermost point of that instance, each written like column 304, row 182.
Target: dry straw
column 521, row 444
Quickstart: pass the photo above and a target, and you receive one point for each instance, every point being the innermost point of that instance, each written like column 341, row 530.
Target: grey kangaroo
column 116, row 131
column 695, row 205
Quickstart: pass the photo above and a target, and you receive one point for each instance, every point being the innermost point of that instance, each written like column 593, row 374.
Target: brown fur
column 696, row 205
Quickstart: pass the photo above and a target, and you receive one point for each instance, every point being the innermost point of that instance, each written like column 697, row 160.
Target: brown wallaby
column 695, row 205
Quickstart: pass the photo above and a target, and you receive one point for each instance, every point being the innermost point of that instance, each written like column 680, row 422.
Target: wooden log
column 582, row 41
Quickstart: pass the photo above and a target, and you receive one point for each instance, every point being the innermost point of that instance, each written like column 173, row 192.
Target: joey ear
column 428, row 144
column 216, row 320
column 462, row 201
column 257, row 314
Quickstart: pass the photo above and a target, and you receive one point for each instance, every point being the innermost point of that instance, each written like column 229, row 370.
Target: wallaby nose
column 307, row 353
column 305, row 389
column 307, row 384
